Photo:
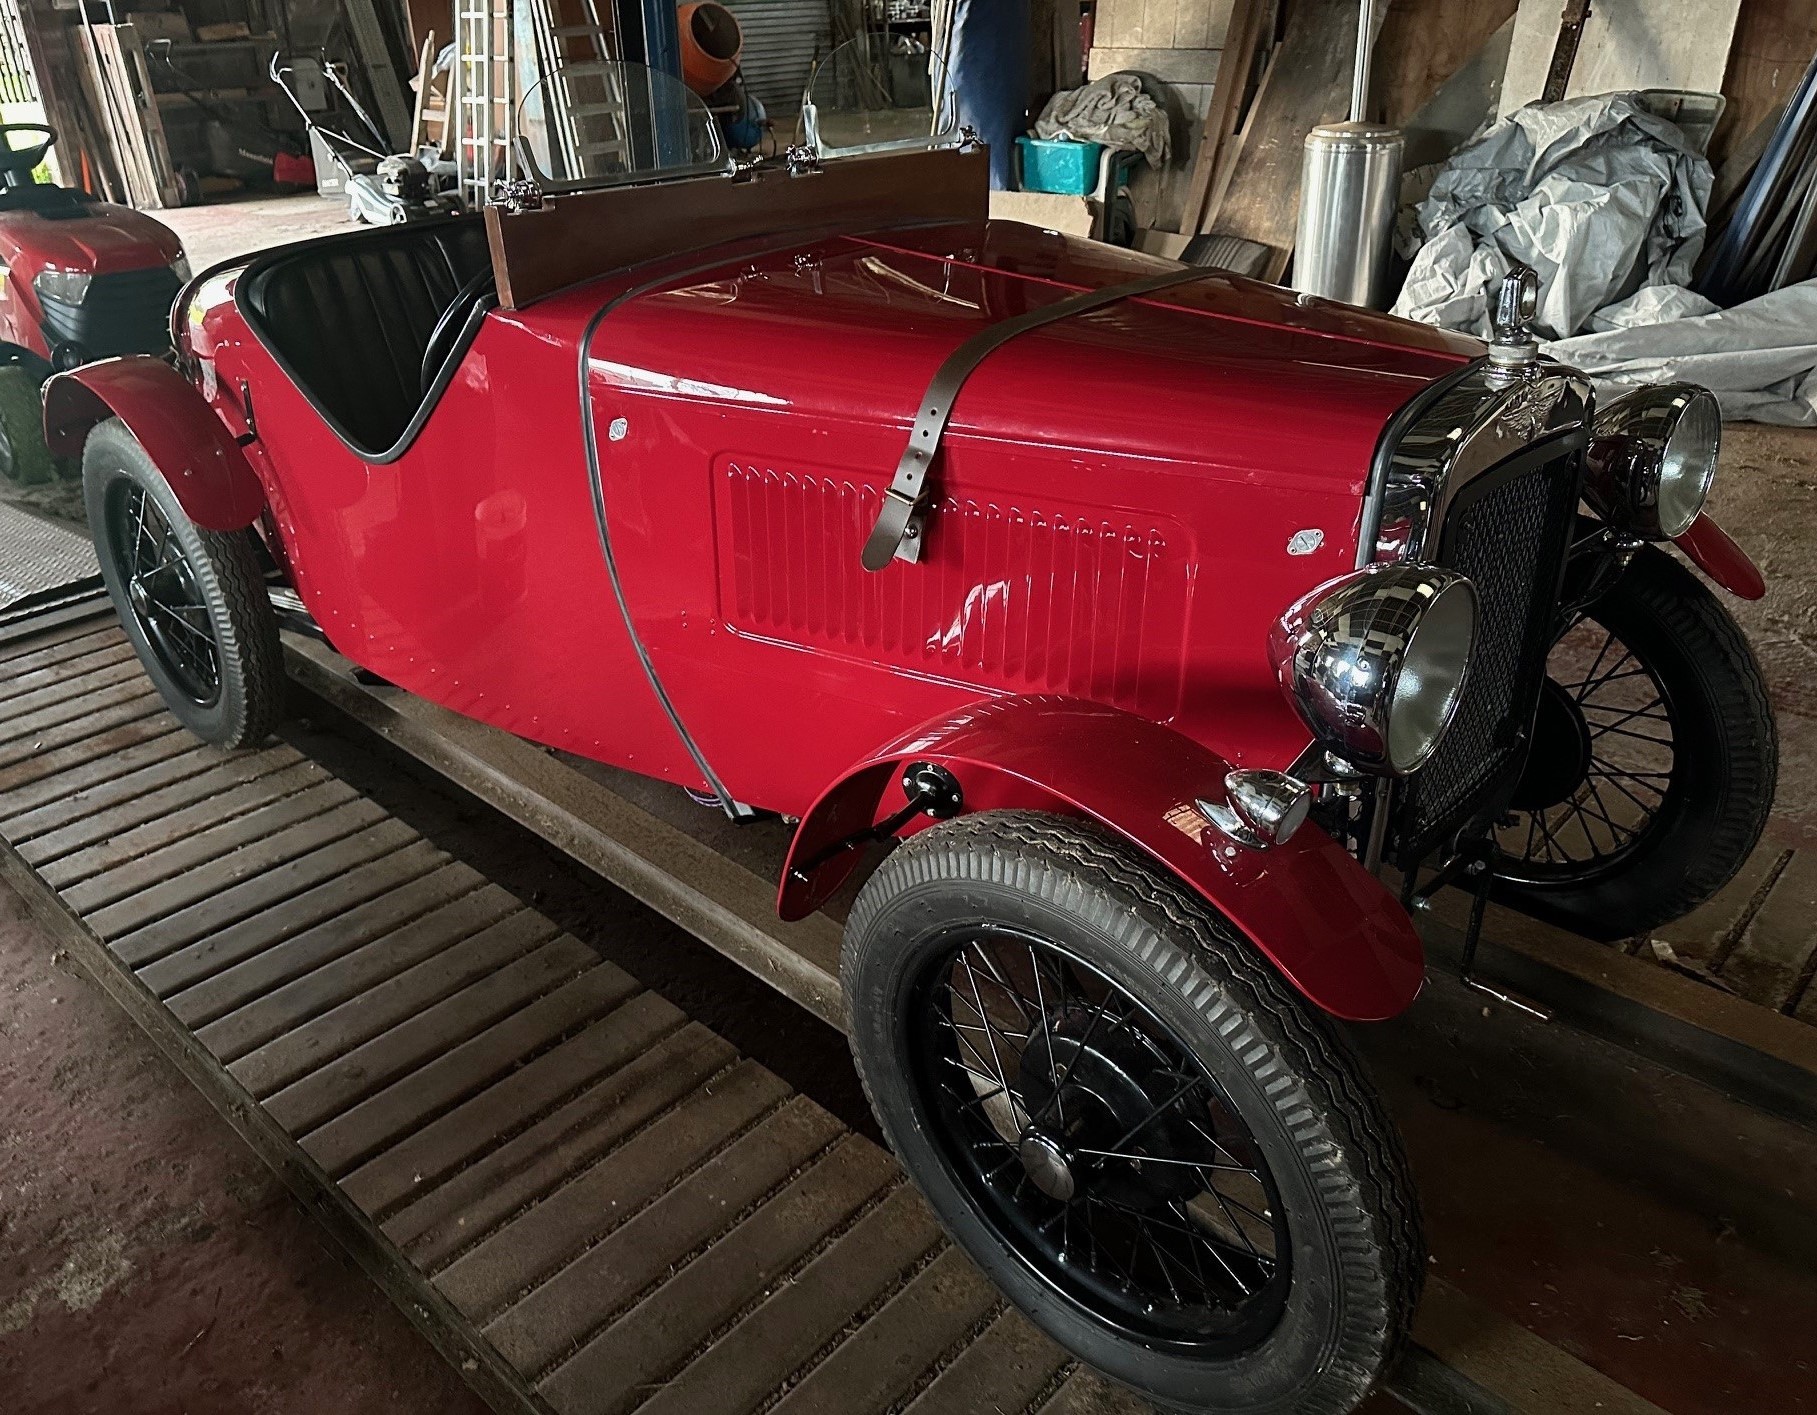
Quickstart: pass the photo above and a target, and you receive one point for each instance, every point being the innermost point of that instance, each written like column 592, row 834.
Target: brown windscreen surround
column 583, row 234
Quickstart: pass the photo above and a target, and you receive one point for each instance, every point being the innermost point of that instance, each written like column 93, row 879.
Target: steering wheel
column 21, row 161
column 448, row 327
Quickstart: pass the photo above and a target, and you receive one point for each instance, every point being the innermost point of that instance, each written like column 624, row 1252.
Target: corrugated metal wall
column 782, row 39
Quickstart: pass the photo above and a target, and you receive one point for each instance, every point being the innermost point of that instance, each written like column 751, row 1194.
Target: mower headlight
column 1653, row 457
column 180, row 268
column 66, row 287
column 1374, row 661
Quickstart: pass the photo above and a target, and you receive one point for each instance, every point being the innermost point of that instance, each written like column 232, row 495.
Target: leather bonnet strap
column 898, row 532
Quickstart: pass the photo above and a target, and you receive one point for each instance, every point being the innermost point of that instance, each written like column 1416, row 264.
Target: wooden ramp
column 587, row 1201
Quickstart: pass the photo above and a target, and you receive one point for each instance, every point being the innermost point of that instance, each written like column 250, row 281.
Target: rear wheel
column 1653, row 763
column 191, row 600
column 1129, row 1121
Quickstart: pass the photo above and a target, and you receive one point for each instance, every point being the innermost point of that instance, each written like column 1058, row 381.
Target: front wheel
column 192, row 601
column 1653, row 762
column 1129, row 1121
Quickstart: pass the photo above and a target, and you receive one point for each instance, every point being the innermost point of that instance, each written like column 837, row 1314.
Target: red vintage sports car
column 1155, row 611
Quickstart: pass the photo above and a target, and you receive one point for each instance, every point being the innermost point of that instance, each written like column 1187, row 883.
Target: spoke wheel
column 192, row 601
column 162, row 595
column 1602, row 764
column 1128, row 1120
column 1101, row 1150
column 1653, row 762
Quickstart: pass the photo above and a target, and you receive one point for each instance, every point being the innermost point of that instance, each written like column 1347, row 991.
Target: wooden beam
column 1235, row 60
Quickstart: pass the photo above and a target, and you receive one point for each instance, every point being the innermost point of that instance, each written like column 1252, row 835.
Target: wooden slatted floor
column 590, row 1202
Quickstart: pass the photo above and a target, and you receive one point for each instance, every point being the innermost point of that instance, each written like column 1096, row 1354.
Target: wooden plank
column 708, row 1128
column 215, row 799
column 1085, row 1392
column 436, row 1226
column 1635, row 44
column 1218, row 130
column 75, row 679
column 805, row 1316
column 300, row 979
column 340, row 1082
column 1006, row 1368
column 23, row 735
column 644, row 1344
column 1308, row 83
column 881, row 1362
column 24, row 759
column 709, row 895
column 381, row 1120
column 47, row 769
column 217, row 951
column 49, row 804
column 143, row 896
column 163, row 936
column 94, row 816
column 462, row 949
column 497, row 1114
column 184, row 842
column 40, row 654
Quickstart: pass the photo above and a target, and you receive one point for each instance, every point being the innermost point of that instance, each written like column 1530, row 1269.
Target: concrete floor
column 225, row 229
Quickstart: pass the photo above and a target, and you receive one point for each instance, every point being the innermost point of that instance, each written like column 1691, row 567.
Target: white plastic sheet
column 1759, row 358
column 1598, row 195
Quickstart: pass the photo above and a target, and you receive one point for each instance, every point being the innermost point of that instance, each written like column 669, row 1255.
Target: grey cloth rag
column 1112, row 110
column 1598, row 195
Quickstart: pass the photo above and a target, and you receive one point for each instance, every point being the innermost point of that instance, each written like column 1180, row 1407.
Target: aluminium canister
column 1349, row 192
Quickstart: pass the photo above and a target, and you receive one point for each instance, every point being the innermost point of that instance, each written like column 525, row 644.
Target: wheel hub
column 1045, row 1160
column 1559, row 758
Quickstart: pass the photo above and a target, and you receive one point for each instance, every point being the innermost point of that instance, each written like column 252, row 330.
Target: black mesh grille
column 1508, row 532
column 126, row 312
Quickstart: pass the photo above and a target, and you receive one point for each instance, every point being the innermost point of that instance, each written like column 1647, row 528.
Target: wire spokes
column 1608, row 707
column 1108, row 1153
column 163, row 596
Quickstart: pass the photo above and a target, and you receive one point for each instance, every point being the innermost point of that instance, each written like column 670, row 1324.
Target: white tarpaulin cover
column 1596, row 194
column 1759, row 358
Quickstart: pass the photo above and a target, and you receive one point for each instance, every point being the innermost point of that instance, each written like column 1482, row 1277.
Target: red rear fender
column 1325, row 922
column 178, row 430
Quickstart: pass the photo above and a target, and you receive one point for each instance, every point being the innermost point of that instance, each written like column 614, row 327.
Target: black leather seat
column 350, row 317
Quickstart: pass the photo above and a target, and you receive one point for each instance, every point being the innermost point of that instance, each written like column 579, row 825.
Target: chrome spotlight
column 1263, row 808
column 1375, row 660
column 1652, row 459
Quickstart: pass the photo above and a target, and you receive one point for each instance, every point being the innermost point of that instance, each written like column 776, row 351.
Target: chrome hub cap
column 1046, row 1165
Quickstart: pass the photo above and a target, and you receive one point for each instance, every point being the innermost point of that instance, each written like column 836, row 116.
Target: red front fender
column 1712, row 550
column 1329, row 925
column 178, row 430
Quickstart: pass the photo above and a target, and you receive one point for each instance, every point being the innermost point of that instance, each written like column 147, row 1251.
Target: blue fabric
column 989, row 77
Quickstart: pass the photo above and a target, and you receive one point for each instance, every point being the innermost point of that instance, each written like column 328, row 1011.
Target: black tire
column 215, row 592
column 1333, row 1315
column 1682, row 759
column 24, row 456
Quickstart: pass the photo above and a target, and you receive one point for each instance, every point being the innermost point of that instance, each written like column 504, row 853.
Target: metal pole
column 1365, row 50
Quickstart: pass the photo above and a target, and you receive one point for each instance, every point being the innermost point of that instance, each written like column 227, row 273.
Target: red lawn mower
column 80, row 279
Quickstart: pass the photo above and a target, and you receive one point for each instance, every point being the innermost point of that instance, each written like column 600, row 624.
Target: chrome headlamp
column 1652, row 459
column 1375, row 660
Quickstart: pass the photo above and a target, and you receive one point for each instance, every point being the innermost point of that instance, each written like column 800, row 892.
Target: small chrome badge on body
column 1305, row 542
column 617, row 429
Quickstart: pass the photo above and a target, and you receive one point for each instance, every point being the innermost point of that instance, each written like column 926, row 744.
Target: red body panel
column 197, row 455
column 1327, row 923
column 1117, row 494
column 107, row 239
column 1712, row 550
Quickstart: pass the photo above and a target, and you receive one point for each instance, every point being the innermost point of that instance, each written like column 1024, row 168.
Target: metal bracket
column 900, row 526
column 1472, row 864
column 931, row 790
